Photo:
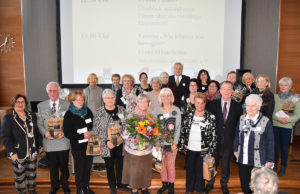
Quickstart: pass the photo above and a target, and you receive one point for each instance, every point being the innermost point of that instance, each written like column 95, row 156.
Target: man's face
column 178, row 70
column 53, row 92
column 226, row 91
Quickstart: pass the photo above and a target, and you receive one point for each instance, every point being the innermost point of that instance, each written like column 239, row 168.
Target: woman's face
column 109, row 100
column 232, row 78
column 199, row 104
column 166, row 99
column 193, row 87
column 127, row 83
column 212, row 88
column 155, row 85
column 116, row 81
column 203, row 76
column 248, row 81
column 284, row 87
column 93, row 81
column 164, row 79
column 20, row 104
column 262, row 83
column 144, row 79
column 78, row 102
column 252, row 108
column 142, row 104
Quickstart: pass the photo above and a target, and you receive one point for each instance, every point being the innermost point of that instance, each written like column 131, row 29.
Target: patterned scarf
column 284, row 96
column 79, row 112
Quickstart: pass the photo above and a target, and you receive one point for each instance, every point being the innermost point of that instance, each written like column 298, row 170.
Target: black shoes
column 32, row 192
column 224, row 189
column 208, row 188
column 124, row 188
column 282, row 171
column 171, row 188
column 145, row 191
column 53, row 190
column 88, row 190
column 164, row 187
column 113, row 191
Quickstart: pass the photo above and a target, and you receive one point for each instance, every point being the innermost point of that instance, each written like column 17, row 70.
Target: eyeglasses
column 20, row 102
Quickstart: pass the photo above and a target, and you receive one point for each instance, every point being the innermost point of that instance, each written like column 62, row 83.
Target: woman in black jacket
column 197, row 138
column 20, row 136
column 78, row 123
column 263, row 90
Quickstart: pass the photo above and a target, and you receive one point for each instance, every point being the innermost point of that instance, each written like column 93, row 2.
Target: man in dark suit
column 181, row 82
column 227, row 114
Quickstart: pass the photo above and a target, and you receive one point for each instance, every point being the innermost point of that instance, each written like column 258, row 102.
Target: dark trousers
column 282, row 137
column 115, row 158
column 224, row 155
column 59, row 160
column 245, row 177
column 83, row 164
column 194, row 171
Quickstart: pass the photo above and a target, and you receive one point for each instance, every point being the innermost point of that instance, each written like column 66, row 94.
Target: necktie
column 177, row 80
column 53, row 109
column 225, row 112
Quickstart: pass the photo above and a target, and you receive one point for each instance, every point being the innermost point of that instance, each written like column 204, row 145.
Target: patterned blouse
column 208, row 132
column 102, row 119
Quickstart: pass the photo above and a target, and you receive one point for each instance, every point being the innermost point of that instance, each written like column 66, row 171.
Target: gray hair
column 226, row 82
column 163, row 73
column 107, row 91
column 178, row 63
column 52, row 83
column 264, row 181
column 286, row 79
column 167, row 91
column 157, row 79
column 255, row 98
column 141, row 97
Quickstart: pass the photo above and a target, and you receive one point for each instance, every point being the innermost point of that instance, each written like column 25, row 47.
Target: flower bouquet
column 144, row 129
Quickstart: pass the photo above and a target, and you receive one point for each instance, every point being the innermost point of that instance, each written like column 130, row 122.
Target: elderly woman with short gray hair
column 264, row 181
column 153, row 95
column 254, row 141
column 283, row 123
column 112, row 152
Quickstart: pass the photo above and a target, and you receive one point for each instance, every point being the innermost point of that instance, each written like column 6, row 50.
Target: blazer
column 89, row 98
column 44, row 112
column 101, row 123
column 268, row 105
column 260, row 143
column 19, row 138
column 183, row 86
column 72, row 123
column 225, row 131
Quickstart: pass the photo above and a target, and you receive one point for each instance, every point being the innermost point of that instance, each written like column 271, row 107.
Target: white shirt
column 56, row 104
column 246, row 139
column 194, row 143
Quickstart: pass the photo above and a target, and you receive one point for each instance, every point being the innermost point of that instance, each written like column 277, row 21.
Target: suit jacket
column 44, row 112
column 183, row 86
column 225, row 131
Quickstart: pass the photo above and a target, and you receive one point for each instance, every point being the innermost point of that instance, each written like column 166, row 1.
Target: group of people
column 200, row 114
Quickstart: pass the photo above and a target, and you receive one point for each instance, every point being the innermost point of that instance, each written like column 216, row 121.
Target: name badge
column 81, row 131
column 257, row 129
column 89, row 120
column 166, row 115
column 123, row 100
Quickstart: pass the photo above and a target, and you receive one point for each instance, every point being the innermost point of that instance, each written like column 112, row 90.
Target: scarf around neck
column 79, row 112
column 284, row 96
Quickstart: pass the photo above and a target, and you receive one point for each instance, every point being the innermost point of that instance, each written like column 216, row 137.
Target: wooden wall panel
column 289, row 42
column 11, row 63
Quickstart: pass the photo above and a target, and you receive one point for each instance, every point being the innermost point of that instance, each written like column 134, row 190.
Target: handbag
column 93, row 146
column 209, row 170
column 114, row 133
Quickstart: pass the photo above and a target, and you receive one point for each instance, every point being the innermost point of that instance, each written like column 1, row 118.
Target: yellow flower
column 141, row 123
column 147, row 122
